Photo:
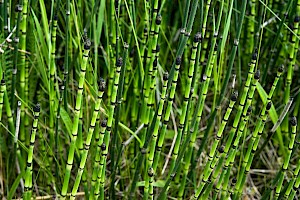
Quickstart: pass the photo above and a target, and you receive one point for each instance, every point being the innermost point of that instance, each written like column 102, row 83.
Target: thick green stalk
column 88, row 139
column 23, row 28
column 153, row 141
column 115, row 146
column 167, row 113
column 105, row 144
column 66, row 61
column 77, row 109
column 292, row 60
column 96, row 168
column 252, row 146
column 148, row 81
column 187, row 96
column 227, row 76
column 271, row 92
column 28, row 173
column 15, row 60
column 292, row 181
column 287, row 158
column 295, row 188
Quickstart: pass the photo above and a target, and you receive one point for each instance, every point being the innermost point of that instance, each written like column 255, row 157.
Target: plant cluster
column 153, row 99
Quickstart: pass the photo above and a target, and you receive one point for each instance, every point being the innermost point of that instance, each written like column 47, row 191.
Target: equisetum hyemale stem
column 18, row 9
column 292, row 182
column 77, row 109
column 187, row 95
column 167, row 113
column 105, row 144
column 28, row 173
column 285, row 165
column 89, row 138
column 23, row 29
column 97, row 165
column 153, row 141
column 212, row 153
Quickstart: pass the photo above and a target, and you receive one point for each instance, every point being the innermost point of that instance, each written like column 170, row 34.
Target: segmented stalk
column 292, row 60
column 251, row 27
column 241, row 128
column 251, row 151
column 77, row 109
column 23, row 28
column 287, row 158
column 292, row 182
column 242, row 103
column 148, row 81
column 115, row 147
column 66, row 61
column 7, row 106
column 28, row 173
column 96, row 168
column 167, row 113
column 105, row 144
column 111, row 72
column 212, row 154
column 62, row 88
column 252, row 146
column 231, row 154
column 153, row 141
column 151, row 177
column 18, row 9
column 88, row 139
column 295, row 187
column 52, row 93
column 187, row 95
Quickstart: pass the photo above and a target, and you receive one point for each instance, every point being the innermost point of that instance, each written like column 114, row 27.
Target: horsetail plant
column 292, row 181
column 117, row 111
column 295, row 188
column 18, row 9
column 287, row 158
column 167, row 112
column 232, row 152
column 98, row 166
column 105, row 144
column 184, row 134
column 23, row 28
column 89, row 138
column 28, row 175
column 70, row 159
column 212, row 153
column 187, row 95
column 153, row 141
column 290, row 69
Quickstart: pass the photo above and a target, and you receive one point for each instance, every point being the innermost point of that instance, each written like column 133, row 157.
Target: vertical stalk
column 88, row 139
column 28, row 174
column 81, row 81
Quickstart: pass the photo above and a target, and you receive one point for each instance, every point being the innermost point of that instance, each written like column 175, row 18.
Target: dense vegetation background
column 149, row 99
